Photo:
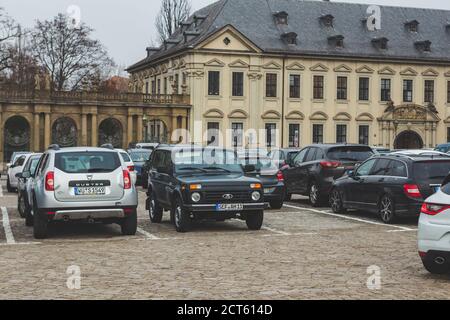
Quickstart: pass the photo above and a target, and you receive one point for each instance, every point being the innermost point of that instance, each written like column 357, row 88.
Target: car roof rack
column 107, row 146
column 55, row 147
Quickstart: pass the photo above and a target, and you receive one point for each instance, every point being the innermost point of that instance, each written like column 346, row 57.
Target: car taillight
column 126, row 179
column 412, row 190
column 433, row 209
column 330, row 164
column 50, row 181
column 280, row 176
column 131, row 168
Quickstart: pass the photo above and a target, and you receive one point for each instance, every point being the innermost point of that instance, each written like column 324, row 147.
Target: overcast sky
column 126, row 27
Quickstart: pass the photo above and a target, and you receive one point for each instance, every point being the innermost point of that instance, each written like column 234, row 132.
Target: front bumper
column 212, row 208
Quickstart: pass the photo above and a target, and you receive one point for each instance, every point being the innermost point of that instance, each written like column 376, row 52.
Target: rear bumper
column 411, row 209
column 276, row 195
column 65, row 214
column 433, row 237
column 212, row 208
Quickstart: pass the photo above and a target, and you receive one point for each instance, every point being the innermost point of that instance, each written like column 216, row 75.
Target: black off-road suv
column 196, row 183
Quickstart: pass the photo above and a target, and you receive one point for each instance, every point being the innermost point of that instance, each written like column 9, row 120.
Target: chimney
column 151, row 51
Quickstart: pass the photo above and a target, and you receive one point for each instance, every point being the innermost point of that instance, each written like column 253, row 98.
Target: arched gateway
column 408, row 126
column 16, row 136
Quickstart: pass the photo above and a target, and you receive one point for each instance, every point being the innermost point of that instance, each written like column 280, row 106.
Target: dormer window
column 380, row 43
column 412, row 26
column 424, row 46
column 290, row 38
column 327, row 20
column 281, row 17
column 184, row 26
column 151, row 51
column 198, row 19
column 337, row 41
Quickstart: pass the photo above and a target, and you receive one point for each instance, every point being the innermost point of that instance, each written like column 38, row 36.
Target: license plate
column 269, row 190
column 90, row 191
column 229, row 207
column 437, row 189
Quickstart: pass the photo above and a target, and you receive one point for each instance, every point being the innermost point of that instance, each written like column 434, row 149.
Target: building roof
column 255, row 20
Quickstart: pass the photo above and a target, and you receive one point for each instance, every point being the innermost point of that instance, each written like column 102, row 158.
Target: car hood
column 230, row 179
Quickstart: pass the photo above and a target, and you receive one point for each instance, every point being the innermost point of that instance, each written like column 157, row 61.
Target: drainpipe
column 282, row 101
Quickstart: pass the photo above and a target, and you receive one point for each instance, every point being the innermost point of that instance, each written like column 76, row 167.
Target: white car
column 16, row 167
column 434, row 231
column 129, row 163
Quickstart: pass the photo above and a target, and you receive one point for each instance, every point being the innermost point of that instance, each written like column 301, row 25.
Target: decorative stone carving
column 255, row 75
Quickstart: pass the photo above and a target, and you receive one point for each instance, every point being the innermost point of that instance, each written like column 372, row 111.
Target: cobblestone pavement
column 302, row 253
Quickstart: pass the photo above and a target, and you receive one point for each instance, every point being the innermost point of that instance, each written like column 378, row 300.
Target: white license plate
column 269, row 190
column 90, row 191
column 229, row 207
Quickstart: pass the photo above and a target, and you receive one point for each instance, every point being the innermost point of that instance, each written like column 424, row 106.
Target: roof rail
column 54, row 147
column 107, row 146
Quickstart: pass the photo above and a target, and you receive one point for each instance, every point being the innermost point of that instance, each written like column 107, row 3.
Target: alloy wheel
column 314, row 194
column 178, row 215
column 335, row 201
column 152, row 208
column 386, row 209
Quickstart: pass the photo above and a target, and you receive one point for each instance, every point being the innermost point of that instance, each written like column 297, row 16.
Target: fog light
column 256, row 196
column 196, row 197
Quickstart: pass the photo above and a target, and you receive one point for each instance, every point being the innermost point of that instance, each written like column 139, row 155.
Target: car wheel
column 336, row 202
column 255, row 220
column 181, row 217
column 29, row 219
column 436, row 268
column 387, row 209
column 40, row 225
column 8, row 186
column 287, row 196
column 21, row 205
column 129, row 224
column 278, row 204
column 314, row 195
column 155, row 211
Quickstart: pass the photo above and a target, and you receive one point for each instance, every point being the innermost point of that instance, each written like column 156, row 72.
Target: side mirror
column 26, row 174
column 19, row 175
column 249, row 168
column 351, row 173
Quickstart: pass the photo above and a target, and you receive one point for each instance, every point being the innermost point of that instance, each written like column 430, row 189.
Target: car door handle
column 381, row 180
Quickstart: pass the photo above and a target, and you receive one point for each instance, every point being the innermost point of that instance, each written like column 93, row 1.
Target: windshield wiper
column 217, row 168
column 192, row 169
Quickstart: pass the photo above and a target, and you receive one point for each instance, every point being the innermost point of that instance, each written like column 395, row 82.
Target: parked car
column 271, row 177
column 443, row 148
column 256, row 152
column 281, row 157
column 139, row 157
column 434, row 231
column 83, row 184
column 146, row 145
column 26, row 178
column 391, row 186
column 17, row 166
column 129, row 163
column 197, row 183
column 145, row 173
column 380, row 150
column 314, row 169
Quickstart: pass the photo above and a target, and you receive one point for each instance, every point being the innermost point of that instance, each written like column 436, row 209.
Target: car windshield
column 264, row 166
column 140, row 156
column 431, row 171
column 87, row 162
column 206, row 161
column 349, row 153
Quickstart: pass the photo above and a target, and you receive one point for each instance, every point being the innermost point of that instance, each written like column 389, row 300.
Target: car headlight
column 196, row 197
column 256, row 196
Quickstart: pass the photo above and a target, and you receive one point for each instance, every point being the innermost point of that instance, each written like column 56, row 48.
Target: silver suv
column 91, row 184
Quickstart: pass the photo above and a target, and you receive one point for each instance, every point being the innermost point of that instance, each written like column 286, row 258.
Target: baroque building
column 301, row 72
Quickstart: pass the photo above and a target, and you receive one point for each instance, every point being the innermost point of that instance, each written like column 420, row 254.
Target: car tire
column 336, row 202
column 8, row 186
column 276, row 204
column 435, row 268
column 255, row 220
column 29, row 219
column 128, row 225
column 181, row 217
column 387, row 209
column 287, row 196
column 314, row 195
column 40, row 225
column 155, row 211
column 21, row 205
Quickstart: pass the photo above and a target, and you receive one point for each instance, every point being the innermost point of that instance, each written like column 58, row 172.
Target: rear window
column 125, row 157
column 431, row 171
column 140, row 156
column 87, row 162
column 349, row 153
column 262, row 165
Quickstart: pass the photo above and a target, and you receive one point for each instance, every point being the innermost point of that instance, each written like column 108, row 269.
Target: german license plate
column 90, row 191
column 269, row 190
column 229, row 207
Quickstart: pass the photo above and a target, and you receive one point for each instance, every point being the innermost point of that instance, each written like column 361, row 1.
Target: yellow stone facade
column 254, row 110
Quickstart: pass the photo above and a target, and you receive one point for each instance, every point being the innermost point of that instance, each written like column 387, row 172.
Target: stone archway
column 408, row 140
column 64, row 132
column 110, row 131
column 17, row 136
column 156, row 131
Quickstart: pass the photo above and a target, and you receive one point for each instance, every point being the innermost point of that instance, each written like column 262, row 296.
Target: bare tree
column 69, row 55
column 9, row 31
column 171, row 14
